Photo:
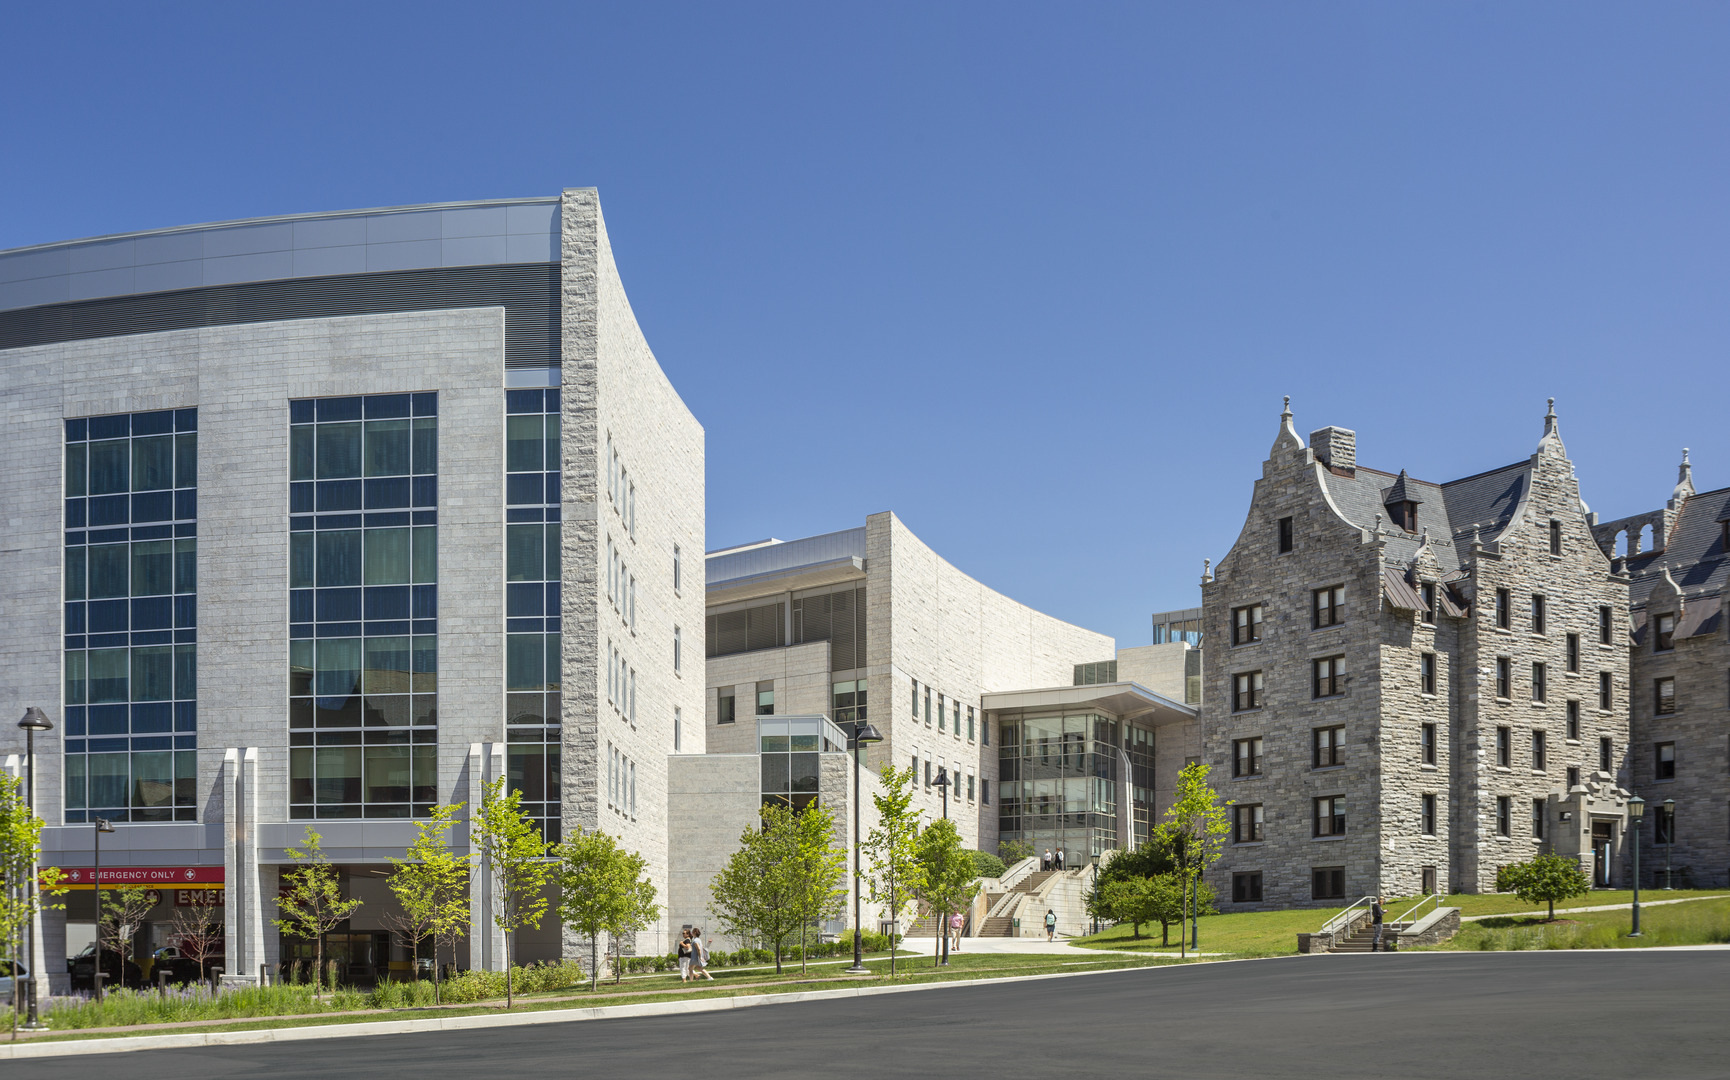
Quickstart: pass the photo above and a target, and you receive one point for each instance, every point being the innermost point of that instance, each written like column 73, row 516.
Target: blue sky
column 1033, row 276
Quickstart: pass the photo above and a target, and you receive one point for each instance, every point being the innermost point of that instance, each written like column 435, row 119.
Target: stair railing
column 1017, row 873
column 1344, row 919
column 1407, row 919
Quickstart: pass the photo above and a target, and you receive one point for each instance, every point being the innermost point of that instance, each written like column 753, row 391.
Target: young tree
column 510, row 848
column 123, row 910
column 892, row 848
column 1544, row 880
column 311, row 904
column 602, row 887
column 947, row 880
column 756, row 896
column 198, row 934
column 819, row 871
column 1195, row 828
column 1013, row 851
column 432, row 885
column 20, row 849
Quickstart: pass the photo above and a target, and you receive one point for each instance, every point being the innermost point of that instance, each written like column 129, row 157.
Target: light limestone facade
column 241, row 376
column 1445, row 774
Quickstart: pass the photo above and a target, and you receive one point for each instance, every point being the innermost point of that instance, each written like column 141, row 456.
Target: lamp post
column 34, row 720
column 941, row 954
column 1636, row 811
column 863, row 735
column 1096, row 892
column 1669, row 838
column 102, row 825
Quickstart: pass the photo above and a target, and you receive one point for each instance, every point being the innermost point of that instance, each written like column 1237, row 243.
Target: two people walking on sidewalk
column 693, row 957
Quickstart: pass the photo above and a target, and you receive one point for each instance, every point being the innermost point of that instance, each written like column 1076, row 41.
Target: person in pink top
column 955, row 924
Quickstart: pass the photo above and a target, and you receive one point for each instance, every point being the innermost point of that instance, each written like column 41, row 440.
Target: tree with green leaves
column 893, row 848
column 602, row 889
column 508, row 845
column 311, row 903
column 1544, row 880
column 431, row 884
column 818, row 869
column 1013, row 851
column 768, row 890
column 947, row 879
column 123, row 912
column 987, row 865
column 20, row 851
column 1195, row 828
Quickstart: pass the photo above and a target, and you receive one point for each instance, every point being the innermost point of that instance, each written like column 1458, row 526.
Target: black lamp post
column 1669, row 838
column 863, row 735
column 1636, row 811
column 942, row 953
column 1096, row 892
column 102, row 825
column 34, row 720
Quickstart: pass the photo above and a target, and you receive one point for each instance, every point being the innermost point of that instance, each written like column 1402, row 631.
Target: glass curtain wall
column 131, row 638
column 532, row 573
column 363, row 606
column 1058, row 781
column 789, row 757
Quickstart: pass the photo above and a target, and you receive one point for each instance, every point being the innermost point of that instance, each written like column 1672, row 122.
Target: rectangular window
column 1285, row 535
column 1606, row 698
column 1246, row 760
column 1664, row 696
column 1537, row 614
column 1328, row 883
column 1504, row 677
column 1427, row 814
column 1330, row 816
column 1573, row 719
column 915, row 699
column 1328, row 747
column 1664, row 758
column 940, row 714
column 1604, row 625
column 970, row 722
column 984, row 791
column 1427, row 743
column 1246, row 625
column 1504, row 815
column 1538, row 819
column 1573, row 777
column 1428, row 592
column 676, row 569
column 1427, row 672
column 678, row 650
column 1329, row 677
column 1664, row 633
column 1663, row 823
column 969, row 787
column 1555, row 537
column 1247, row 828
column 1505, row 747
column 1246, row 888
column 766, row 698
column 1246, row 691
column 1605, row 750
column 726, row 706
column 1504, row 612
column 1574, row 654
column 1540, row 741
column 1540, row 679
column 678, row 729
column 1330, row 606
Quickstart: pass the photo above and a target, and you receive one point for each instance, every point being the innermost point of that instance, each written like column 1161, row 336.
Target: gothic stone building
column 1414, row 683
column 1680, row 663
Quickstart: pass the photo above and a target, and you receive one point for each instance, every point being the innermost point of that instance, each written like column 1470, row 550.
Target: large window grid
column 1058, row 781
column 130, row 586
column 363, row 606
column 533, row 571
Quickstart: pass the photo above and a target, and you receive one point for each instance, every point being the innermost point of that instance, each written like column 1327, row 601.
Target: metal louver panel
column 529, row 293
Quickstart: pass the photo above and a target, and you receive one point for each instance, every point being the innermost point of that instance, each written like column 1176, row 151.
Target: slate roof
column 1694, row 553
column 1447, row 510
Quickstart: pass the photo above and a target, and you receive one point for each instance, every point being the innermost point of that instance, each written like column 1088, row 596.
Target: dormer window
column 1401, row 503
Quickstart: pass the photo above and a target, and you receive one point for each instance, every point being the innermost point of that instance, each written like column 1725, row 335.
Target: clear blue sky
column 1033, row 276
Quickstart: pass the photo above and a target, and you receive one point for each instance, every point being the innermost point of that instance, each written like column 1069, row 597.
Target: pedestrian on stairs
column 1376, row 921
column 1045, row 860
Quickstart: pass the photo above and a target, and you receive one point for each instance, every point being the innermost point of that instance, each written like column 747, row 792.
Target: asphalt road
column 1530, row 1015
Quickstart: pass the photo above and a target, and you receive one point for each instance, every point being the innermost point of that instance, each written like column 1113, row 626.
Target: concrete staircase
column 1002, row 924
column 1361, row 938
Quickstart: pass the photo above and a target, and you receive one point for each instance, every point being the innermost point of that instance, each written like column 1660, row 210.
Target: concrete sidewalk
column 1600, row 907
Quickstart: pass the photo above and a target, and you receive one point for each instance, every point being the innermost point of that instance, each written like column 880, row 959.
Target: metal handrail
column 1435, row 898
column 1344, row 918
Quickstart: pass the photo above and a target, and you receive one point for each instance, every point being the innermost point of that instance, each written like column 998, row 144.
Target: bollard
column 263, row 975
column 162, row 982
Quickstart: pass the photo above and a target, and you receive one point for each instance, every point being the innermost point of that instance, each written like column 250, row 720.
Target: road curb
column 128, row 1044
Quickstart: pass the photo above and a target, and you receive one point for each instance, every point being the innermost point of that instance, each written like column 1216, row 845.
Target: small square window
column 1246, row 888
column 1246, row 758
column 1329, row 607
column 1246, row 624
column 1329, row 679
column 1330, row 816
column 1328, row 747
column 1664, row 756
column 1247, row 823
column 1246, row 691
column 1328, row 883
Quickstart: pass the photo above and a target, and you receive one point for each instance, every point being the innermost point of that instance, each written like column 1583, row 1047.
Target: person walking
column 1059, row 865
column 685, row 956
column 955, row 924
column 1376, row 920
column 1045, row 860
column 699, row 957
column 1050, row 925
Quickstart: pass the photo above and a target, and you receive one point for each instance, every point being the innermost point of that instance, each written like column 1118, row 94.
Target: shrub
column 986, row 864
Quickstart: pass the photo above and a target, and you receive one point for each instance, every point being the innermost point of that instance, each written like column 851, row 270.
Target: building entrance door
column 1603, row 832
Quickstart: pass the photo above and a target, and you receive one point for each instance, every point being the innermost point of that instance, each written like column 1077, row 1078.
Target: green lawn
column 1706, row 922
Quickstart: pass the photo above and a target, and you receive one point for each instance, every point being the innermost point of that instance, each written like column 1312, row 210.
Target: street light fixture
column 941, row 953
column 34, row 720
column 863, row 735
column 1096, row 892
column 102, row 825
column 1636, row 812
column 1669, row 838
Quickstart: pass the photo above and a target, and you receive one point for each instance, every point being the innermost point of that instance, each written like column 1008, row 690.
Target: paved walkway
column 1599, row 907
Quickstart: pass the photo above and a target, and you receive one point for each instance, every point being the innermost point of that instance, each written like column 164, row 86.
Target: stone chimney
column 1335, row 446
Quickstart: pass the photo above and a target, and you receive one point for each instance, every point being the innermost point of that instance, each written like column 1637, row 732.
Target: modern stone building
column 1676, row 557
column 1412, row 684
column 319, row 520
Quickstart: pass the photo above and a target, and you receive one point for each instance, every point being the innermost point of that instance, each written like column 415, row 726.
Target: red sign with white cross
column 144, row 877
